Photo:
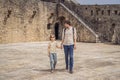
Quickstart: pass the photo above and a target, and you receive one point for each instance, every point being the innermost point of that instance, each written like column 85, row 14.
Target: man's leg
column 71, row 48
column 66, row 55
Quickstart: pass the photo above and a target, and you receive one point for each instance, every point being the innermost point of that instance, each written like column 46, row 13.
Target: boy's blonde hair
column 51, row 35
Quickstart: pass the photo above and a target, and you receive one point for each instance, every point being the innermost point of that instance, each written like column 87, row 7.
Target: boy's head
column 67, row 23
column 52, row 37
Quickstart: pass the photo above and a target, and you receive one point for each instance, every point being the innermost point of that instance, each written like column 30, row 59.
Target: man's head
column 67, row 24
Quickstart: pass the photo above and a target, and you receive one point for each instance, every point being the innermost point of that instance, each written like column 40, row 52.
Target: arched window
column 91, row 12
column 49, row 26
column 116, row 12
column 102, row 12
column 109, row 12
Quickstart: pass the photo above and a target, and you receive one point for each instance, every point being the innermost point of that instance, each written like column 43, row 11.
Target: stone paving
column 29, row 61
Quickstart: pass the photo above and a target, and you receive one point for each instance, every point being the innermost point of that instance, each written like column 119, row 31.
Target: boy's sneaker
column 52, row 71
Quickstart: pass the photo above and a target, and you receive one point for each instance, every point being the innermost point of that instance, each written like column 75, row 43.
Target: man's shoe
column 54, row 67
column 71, row 72
column 66, row 68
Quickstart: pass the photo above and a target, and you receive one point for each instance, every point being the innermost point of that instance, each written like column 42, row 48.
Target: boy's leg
column 66, row 55
column 71, row 48
column 51, row 62
column 55, row 59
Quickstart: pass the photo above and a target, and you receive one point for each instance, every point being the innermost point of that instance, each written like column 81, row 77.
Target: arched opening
column 49, row 26
column 102, row 12
column 112, row 30
column 56, row 29
column 109, row 12
column 91, row 12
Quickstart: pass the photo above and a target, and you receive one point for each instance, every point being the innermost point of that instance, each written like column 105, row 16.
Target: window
column 102, row 12
column 49, row 26
column 91, row 12
column 51, row 15
column 113, row 25
column 116, row 12
column 9, row 13
column 97, row 19
column 109, row 12
column 7, row 16
column 34, row 13
column 97, row 12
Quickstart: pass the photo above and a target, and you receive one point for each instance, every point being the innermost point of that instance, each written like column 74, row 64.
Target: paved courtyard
column 29, row 61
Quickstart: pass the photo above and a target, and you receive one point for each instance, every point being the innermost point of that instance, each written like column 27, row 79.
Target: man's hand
column 62, row 46
column 75, row 46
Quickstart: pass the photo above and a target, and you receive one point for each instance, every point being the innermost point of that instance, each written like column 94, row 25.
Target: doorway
column 56, row 29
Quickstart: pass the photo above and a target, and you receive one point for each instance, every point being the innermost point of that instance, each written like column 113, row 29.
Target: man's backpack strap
column 64, row 32
column 73, row 32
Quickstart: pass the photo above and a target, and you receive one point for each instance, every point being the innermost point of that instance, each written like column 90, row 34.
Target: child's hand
column 48, row 55
column 61, row 47
column 58, row 46
column 62, row 44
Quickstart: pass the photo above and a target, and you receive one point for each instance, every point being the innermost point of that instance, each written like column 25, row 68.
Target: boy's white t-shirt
column 53, row 46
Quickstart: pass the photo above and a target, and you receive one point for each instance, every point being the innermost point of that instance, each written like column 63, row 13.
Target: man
column 69, row 44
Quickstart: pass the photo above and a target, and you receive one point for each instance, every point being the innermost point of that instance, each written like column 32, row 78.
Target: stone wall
column 25, row 20
column 103, row 18
column 34, row 20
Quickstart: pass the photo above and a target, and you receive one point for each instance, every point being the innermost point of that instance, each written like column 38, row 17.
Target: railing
column 72, row 9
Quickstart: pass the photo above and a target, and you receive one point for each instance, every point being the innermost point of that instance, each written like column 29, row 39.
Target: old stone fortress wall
column 34, row 20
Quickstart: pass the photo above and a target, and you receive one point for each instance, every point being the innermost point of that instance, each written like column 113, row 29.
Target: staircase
column 68, row 6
